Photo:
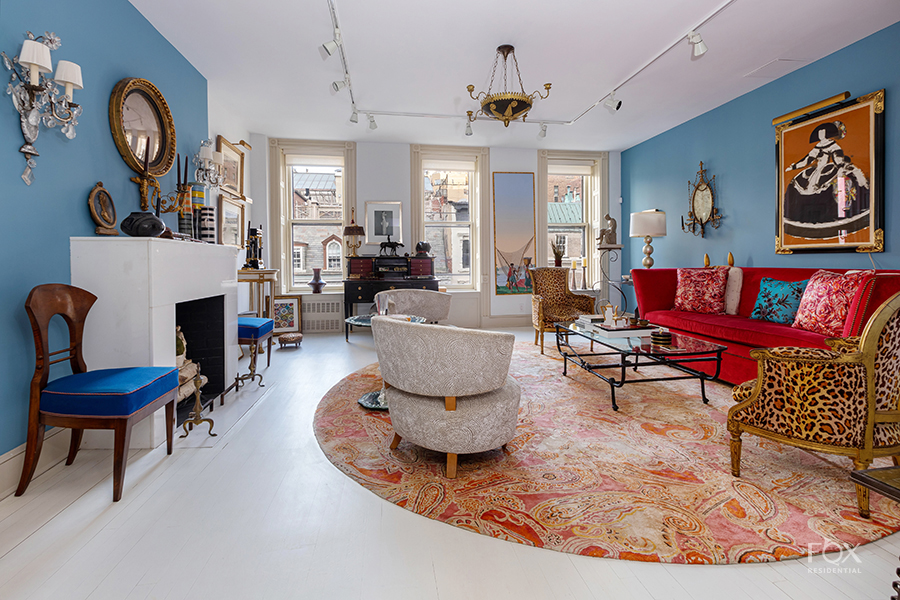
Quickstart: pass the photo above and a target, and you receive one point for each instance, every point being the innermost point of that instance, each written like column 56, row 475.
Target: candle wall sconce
column 210, row 165
column 702, row 208
column 37, row 97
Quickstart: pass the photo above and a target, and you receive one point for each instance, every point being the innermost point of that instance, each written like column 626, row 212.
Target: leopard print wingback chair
column 551, row 301
column 843, row 400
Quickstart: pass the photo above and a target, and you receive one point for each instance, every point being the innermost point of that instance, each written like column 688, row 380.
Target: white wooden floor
column 262, row 514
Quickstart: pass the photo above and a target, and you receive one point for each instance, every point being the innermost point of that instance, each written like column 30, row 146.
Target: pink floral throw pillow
column 826, row 301
column 701, row 290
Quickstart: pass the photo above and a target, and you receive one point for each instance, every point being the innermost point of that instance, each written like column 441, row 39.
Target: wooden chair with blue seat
column 253, row 331
column 102, row 399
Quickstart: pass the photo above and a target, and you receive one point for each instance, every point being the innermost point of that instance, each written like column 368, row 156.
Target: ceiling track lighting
column 612, row 104
column 372, row 123
column 354, row 116
column 338, row 85
column 699, row 47
column 543, row 132
column 331, row 46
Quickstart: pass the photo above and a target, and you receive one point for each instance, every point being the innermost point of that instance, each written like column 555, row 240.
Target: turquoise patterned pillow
column 778, row 301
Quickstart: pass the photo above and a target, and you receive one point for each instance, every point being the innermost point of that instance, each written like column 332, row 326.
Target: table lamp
column 353, row 231
column 648, row 224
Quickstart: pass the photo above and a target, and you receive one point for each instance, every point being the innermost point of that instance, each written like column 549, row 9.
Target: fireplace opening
column 202, row 322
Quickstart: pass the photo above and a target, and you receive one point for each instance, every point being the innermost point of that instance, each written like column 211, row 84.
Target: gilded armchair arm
column 537, row 314
column 811, row 394
column 845, row 345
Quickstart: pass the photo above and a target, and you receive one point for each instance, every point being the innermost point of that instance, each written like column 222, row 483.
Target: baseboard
column 505, row 321
column 54, row 451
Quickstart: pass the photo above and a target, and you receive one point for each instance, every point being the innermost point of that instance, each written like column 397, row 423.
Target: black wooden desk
column 362, row 291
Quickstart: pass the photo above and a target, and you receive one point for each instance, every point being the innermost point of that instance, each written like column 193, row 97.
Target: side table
column 885, row 481
column 262, row 296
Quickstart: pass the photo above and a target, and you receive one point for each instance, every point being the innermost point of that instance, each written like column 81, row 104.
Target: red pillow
column 701, row 290
column 826, row 301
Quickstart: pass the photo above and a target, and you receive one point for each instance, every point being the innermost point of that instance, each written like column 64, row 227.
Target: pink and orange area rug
column 651, row 482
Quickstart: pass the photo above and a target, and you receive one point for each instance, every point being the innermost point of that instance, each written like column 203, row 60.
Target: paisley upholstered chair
column 432, row 306
column 551, row 301
column 448, row 389
column 842, row 401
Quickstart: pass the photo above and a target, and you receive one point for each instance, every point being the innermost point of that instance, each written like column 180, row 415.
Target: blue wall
column 111, row 40
column 736, row 143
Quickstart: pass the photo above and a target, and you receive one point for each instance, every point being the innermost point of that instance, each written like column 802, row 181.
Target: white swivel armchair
column 433, row 306
column 447, row 389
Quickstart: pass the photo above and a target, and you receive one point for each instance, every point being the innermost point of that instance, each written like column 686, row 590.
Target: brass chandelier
column 506, row 105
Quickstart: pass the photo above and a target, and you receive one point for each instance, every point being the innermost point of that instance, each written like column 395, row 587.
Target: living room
column 644, row 152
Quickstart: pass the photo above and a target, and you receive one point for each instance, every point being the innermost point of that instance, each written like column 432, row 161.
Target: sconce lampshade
column 36, row 54
column 648, row 223
column 68, row 72
column 206, row 153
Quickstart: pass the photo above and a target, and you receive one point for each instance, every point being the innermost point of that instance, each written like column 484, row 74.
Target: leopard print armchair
column 842, row 400
column 551, row 301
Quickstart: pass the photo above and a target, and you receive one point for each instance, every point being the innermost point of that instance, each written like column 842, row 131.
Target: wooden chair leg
column 396, row 441
column 170, row 423
column 32, row 453
column 269, row 353
column 74, row 445
column 735, row 430
column 896, row 460
column 451, row 465
column 542, row 341
column 120, row 457
column 862, row 492
column 536, row 334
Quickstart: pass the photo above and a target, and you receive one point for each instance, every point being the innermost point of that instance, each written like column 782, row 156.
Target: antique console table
column 262, row 297
column 368, row 275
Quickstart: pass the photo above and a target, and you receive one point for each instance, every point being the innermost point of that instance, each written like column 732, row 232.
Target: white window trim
column 595, row 206
column 478, row 201
column 279, row 174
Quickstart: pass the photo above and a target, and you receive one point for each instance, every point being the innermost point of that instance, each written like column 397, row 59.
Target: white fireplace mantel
column 137, row 282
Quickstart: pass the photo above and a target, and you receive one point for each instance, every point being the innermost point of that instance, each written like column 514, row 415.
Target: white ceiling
column 263, row 63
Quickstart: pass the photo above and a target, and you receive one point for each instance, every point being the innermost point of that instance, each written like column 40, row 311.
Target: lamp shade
column 649, row 222
column 353, row 229
column 206, row 153
column 36, row 54
column 68, row 72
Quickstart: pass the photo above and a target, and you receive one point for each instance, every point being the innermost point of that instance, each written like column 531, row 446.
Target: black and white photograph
column 383, row 222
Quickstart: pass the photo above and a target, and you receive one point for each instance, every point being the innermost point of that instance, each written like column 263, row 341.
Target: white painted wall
column 615, row 207
column 383, row 175
column 516, row 160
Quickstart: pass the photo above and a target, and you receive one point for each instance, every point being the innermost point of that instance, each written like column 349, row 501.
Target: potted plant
column 557, row 253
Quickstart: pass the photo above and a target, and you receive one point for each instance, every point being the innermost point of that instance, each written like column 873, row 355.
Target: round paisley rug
column 651, row 482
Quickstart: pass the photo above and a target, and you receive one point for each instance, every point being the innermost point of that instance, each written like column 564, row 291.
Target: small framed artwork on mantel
column 231, row 221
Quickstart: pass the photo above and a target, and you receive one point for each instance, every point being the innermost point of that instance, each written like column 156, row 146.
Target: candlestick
column 147, row 157
column 178, row 170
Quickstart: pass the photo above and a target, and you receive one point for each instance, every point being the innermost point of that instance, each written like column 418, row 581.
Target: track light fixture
column 699, row 47
column 372, row 123
column 354, row 116
column 338, row 85
column 468, row 129
column 331, row 46
column 543, row 132
column 611, row 104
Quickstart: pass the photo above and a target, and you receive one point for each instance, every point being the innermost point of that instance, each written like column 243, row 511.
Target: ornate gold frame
column 227, row 148
column 161, row 165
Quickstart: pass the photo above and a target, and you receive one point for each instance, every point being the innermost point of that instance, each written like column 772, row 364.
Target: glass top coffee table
column 375, row 400
column 630, row 350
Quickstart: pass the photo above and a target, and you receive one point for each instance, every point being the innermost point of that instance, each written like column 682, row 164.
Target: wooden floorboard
column 262, row 514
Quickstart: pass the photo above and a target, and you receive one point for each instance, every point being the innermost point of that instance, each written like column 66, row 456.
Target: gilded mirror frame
column 166, row 157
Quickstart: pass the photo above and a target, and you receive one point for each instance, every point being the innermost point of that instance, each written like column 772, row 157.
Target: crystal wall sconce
column 210, row 165
column 38, row 98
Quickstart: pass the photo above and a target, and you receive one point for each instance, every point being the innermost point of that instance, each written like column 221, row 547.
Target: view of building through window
column 448, row 225
column 317, row 216
column 565, row 215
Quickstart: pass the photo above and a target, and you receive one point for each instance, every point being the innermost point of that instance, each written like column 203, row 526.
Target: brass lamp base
column 648, row 250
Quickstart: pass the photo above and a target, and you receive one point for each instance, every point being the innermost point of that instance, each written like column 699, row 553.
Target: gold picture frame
column 233, row 165
column 136, row 105
column 231, row 221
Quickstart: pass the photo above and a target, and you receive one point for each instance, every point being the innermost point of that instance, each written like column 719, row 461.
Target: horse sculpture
column 389, row 246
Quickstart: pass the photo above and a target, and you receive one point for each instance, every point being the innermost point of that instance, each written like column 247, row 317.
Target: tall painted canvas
column 514, row 232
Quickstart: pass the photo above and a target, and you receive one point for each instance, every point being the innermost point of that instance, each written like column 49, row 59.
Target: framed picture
column 514, row 232
column 234, row 167
column 231, row 221
column 287, row 314
column 383, row 221
column 831, row 179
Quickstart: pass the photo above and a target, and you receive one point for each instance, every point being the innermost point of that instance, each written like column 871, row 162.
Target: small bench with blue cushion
column 253, row 331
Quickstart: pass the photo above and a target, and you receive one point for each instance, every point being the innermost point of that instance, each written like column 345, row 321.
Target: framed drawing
column 233, row 160
column 514, row 232
column 831, row 179
column 287, row 314
column 231, row 221
column 383, row 220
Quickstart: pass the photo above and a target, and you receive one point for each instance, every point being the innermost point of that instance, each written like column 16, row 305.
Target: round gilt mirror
column 142, row 126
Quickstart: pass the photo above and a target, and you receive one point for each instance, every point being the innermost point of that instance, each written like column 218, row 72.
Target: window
column 333, row 256
column 299, row 258
column 561, row 242
column 566, row 222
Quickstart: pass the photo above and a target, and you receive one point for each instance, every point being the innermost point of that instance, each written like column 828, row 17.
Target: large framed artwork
column 831, row 179
column 233, row 160
column 383, row 221
column 287, row 314
column 231, row 221
column 514, row 232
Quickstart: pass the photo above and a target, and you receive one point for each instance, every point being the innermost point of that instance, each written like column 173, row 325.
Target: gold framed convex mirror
column 702, row 209
column 144, row 132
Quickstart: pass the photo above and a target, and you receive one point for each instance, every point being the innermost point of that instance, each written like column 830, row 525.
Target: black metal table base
column 578, row 358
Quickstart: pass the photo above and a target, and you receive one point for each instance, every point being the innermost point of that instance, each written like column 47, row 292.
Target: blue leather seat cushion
column 108, row 392
column 253, row 328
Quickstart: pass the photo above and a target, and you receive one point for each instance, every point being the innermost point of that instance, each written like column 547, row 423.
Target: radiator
column 321, row 315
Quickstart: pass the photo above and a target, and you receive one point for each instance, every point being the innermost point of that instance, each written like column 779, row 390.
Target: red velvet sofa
column 655, row 291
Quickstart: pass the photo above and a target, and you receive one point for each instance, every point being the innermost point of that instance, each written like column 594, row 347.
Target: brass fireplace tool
column 196, row 416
